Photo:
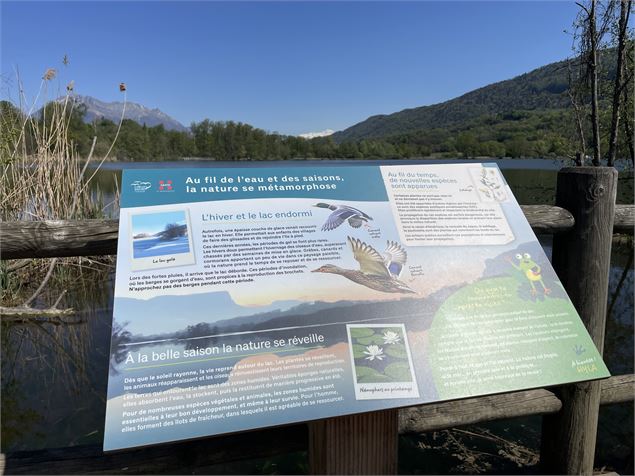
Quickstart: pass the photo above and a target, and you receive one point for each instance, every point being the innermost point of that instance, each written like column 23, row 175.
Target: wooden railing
column 583, row 223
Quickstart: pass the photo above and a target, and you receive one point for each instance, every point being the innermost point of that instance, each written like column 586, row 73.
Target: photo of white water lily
column 374, row 352
column 380, row 354
column 391, row 337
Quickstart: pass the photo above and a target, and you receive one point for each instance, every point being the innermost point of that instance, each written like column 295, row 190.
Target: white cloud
column 313, row 135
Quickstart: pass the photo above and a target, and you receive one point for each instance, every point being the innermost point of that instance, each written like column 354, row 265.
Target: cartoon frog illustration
column 531, row 270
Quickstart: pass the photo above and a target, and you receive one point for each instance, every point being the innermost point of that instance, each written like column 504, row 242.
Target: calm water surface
column 53, row 389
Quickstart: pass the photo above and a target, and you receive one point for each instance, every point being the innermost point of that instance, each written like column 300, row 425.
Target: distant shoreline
column 535, row 163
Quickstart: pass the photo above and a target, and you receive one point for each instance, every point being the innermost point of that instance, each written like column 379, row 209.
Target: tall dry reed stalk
column 43, row 178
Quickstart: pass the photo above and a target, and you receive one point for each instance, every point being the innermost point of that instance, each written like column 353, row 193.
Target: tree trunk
column 625, row 8
column 593, row 74
column 628, row 129
column 573, row 92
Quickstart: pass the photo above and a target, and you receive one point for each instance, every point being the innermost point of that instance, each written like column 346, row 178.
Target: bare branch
column 583, row 8
column 42, row 285
column 19, row 313
column 18, row 264
column 54, row 306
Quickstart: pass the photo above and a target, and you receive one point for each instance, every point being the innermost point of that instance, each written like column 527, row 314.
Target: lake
column 53, row 390
column 145, row 248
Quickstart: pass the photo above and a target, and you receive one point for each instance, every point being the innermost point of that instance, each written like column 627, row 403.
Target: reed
column 43, row 178
column 42, row 175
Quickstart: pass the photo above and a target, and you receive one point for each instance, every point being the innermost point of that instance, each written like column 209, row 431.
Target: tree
column 619, row 84
column 592, row 71
column 518, row 147
column 467, row 144
column 576, row 92
column 627, row 104
column 11, row 119
column 594, row 21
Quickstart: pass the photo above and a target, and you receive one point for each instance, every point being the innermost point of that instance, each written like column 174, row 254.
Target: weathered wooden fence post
column 355, row 444
column 581, row 257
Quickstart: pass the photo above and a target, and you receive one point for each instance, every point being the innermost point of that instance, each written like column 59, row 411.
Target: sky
column 287, row 67
column 155, row 222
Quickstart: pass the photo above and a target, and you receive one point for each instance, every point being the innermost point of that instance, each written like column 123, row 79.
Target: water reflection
column 53, row 376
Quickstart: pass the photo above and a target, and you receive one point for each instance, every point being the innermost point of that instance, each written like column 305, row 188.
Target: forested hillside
column 530, row 115
column 527, row 116
column 540, row 90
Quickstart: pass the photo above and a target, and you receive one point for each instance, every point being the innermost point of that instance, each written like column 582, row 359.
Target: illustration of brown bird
column 377, row 272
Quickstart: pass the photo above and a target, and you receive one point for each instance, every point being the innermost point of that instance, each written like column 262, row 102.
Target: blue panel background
column 360, row 183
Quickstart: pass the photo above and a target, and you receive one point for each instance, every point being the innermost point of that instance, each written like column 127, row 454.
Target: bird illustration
column 377, row 272
column 355, row 217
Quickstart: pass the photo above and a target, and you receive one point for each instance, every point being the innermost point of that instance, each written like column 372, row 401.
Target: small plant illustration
column 493, row 188
column 380, row 355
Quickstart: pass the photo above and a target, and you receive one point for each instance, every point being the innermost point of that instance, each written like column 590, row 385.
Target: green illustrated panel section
column 489, row 337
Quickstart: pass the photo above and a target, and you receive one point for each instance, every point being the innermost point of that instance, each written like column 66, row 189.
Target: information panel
column 250, row 297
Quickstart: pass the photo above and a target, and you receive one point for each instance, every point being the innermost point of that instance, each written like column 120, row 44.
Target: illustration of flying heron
column 377, row 272
column 341, row 213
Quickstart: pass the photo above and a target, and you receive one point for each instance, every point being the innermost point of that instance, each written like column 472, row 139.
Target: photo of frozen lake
column 160, row 234
column 158, row 247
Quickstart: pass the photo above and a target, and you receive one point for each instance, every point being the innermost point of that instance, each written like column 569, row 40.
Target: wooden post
column 355, row 444
column 581, row 257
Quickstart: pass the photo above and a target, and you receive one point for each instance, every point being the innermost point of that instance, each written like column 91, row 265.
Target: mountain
column 301, row 309
column 163, row 314
column 543, row 89
column 313, row 135
column 96, row 109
